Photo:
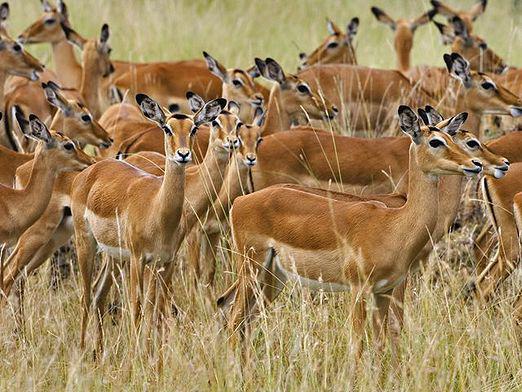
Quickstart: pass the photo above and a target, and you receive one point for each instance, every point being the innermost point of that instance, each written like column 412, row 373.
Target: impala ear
column 383, row 17
column 333, row 29
column 259, row 117
column 443, row 9
column 253, row 71
column 46, row 6
column 72, row 36
column 210, row 111
column 434, row 117
column 446, row 32
column 151, row 109
column 274, row 71
column 62, row 9
column 478, row 9
column 459, row 68
column 409, row 123
column 455, row 123
column 215, row 67
column 423, row 116
column 104, row 34
column 423, row 19
column 195, row 101
column 39, row 130
column 460, row 28
column 233, row 107
column 53, row 96
column 351, row 29
column 4, row 12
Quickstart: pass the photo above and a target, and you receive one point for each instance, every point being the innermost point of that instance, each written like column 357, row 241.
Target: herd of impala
column 187, row 150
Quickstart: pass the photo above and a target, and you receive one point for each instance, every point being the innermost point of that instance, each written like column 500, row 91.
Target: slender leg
column 396, row 319
column 102, row 289
column 518, row 309
column 380, row 319
column 136, row 288
column 358, row 321
column 482, row 247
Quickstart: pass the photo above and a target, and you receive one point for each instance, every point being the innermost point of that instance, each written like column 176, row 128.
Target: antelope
column 336, row 48
column 404, row 30
column 472, row 47
column 274, row 248
column 54, row 154
column 108, row 203
column 239, row 86
column 467, row 17
column 292, row 102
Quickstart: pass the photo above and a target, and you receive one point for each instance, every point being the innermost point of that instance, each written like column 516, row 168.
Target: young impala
column 279, row 234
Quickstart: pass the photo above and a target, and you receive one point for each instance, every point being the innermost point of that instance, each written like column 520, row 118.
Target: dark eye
column 332, row 45
column 483, row 45
column 473, row 144
column 69, row 146
column 193, row 131
column 303, row 89
column 17, row 48
column 86, row 118
column 436, row 143
column 258, row 142
column 237, row 83
column 487, row 86
column 50, row 21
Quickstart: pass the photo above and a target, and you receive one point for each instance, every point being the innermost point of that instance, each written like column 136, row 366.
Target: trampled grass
column 300, row 343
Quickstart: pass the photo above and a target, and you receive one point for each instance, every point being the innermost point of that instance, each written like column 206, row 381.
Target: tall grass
column 300, row 344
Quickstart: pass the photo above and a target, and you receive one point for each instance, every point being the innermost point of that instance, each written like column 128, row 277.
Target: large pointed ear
column 434, row 116
column 151, row 109
column 104, row 34
column 383, row 17
column 443, row 9
column 18, row 114
column 216, row 67
column 459, row 27
column 72, row 36
column 47, row 7
column 423, row 116
column 210, row 111
column 352, row 27
column 274, row 71
column 455, row 123
column 259, row 117
column 195, row 101
column 62, row 9
column 478, row 9
column 52, row 93
column 332, row 28
column 447, row 33
column 39, row 130
column 459, row 68
column 4, row 12
column 423, row 19
column 409, row 123
column 253, row 71
column 233, row 107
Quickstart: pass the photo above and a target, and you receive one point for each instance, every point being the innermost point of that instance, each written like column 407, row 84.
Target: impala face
column 47, row 28
column 75, row 120
column 336, row 48
column 246, row 139
column 297, row 98
column 15, row 61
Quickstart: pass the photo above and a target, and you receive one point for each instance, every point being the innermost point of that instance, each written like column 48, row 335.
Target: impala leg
column 102, row 288
column 380, row 321
column 136, row 289
column 518, row 308
column 358, row 321
column 396, row 319
column 210, row 246
column 193, row 242
column 482, row 247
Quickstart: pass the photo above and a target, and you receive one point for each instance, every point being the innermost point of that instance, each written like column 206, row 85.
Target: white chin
column 499, row 173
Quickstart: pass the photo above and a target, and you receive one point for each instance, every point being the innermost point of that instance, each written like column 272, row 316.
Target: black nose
column 476, row 163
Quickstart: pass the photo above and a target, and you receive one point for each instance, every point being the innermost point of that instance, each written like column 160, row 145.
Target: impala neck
column 462, row 105
column 37, row 193
column 403, row 58
column 277, row 119
column 66, row 64
column 418, row 216
column 90, row 88
column 169, row 200
column 450, row 191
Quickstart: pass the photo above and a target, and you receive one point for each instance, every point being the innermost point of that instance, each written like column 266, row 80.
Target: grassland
column 301, row 344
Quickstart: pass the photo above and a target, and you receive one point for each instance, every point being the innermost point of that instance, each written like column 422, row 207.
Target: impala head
column 298, row 99
column 336, row 48
column 494, row 165
column 179, row 129
column 482, row 94
column 249, row 138
column 63, row 153
column 404, row 30
column 14, row 60
column 471, row 47
column 468, row 17
column 74, row 119
column 435, row 151
column 238, row 86
column 95, row 52
column 47, row 28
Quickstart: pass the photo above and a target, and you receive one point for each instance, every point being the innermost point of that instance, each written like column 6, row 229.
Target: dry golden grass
column 299, row 344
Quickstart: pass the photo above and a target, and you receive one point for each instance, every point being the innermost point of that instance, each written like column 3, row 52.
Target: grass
column 300, row 344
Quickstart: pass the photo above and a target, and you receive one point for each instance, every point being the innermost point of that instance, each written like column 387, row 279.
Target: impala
column 128, row 213
column 336, row 48
column 275, row 244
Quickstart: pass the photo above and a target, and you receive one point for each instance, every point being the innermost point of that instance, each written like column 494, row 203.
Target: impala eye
column 86, row 118
column 473, row 144
column 302, row 88
column 237, row 83
column 69, row 146
column 193, row 131
column 483, row 45
column 436, row 143
column 17, row 48
column 332, row 45
column 487, row 86
column 50, row 21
